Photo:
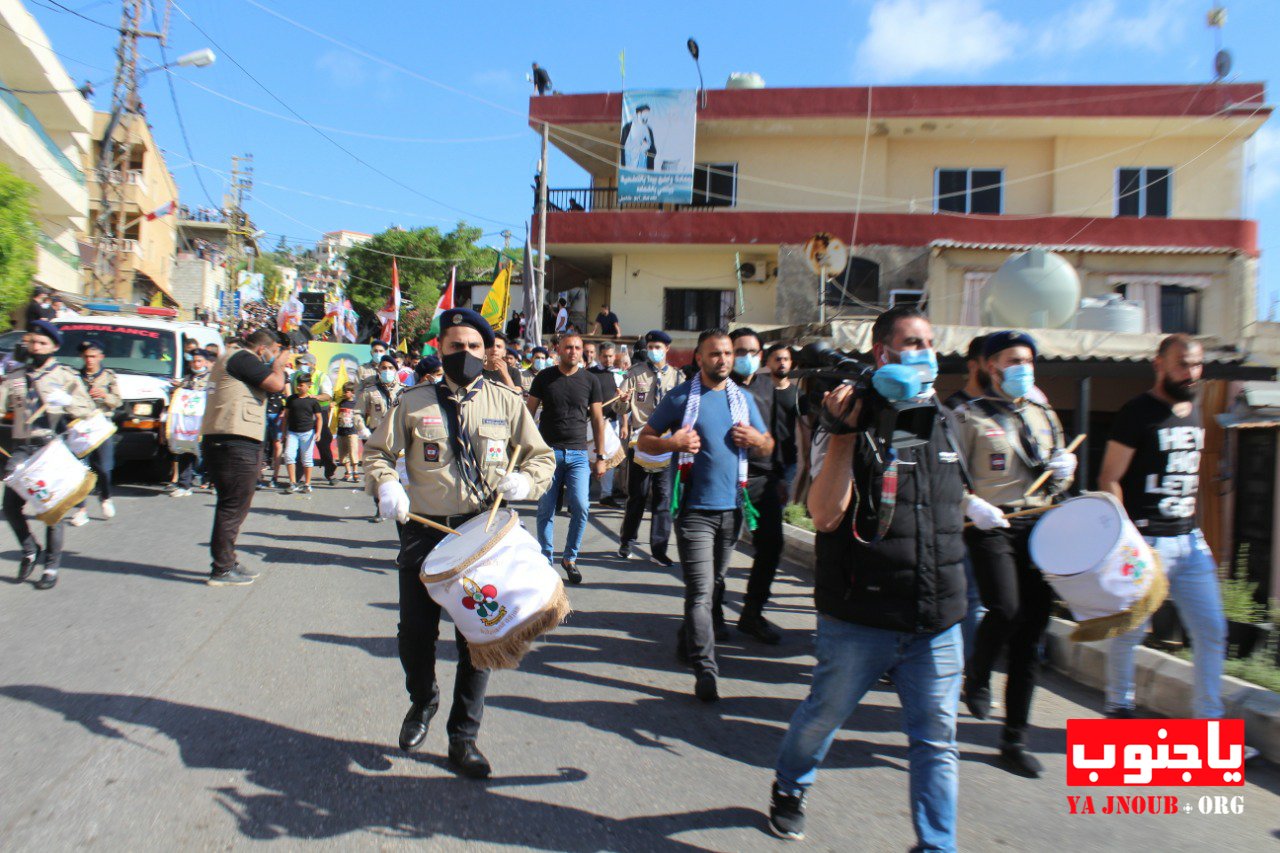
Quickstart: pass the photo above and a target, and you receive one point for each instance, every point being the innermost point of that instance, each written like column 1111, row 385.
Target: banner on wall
column 330, row 358
column 656, row 148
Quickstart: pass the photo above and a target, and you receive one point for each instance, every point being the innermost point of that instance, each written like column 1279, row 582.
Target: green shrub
column 797, row 515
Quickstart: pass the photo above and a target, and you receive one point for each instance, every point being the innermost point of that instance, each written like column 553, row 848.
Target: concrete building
column 44, row 139
column 147, row 245
column 331, row 248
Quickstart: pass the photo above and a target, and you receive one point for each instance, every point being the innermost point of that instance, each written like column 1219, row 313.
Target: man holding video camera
column 890, row 587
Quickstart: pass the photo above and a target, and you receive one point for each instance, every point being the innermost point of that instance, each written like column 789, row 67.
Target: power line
column 71, row 11
column 324, row 135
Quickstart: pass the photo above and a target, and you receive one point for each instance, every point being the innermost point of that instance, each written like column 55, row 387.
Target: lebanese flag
column 390, row 313
column 162, row 210
column 445, row 304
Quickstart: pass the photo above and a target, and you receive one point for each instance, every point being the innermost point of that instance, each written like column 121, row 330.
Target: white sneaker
column 108, row 509
column 180, row 493
column 81, row 518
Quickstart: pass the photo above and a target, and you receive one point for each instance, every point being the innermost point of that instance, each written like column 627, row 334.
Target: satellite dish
column 1035, row 289
column 826, row 253
column 1222, row 64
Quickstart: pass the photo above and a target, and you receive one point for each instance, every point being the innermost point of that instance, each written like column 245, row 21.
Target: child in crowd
column 302, row 414
column 350, row 426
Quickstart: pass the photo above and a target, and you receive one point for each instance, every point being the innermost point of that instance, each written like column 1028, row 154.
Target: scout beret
column 386, row 359
column 538, row 350
column 467, row 317
column 657, row 336
column 44, row 327
column 427, row 364
column 999, row 341
column 91, row 343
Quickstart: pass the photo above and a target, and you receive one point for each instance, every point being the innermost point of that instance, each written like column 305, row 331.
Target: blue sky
column 438, row 100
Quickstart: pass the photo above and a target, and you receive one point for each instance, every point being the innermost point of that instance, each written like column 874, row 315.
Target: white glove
column 515, row 486
column 365, row 434
column 984, row 515
column 1062, row 464
column 393, row 501
column 58, row 398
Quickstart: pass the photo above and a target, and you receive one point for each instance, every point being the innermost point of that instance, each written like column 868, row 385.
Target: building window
column 715, row 184
column 1167, row 308
column 858, row 290
column 696, row 310
column 1142, row 192
column 968, row 191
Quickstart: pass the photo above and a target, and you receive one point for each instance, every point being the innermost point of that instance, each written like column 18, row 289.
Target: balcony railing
column 590, row 199
column 113, row 176
column 59, row 251
column 29, row 118
column 113, row 244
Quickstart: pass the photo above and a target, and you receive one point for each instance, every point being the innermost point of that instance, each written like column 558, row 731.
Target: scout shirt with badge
column 376, row 400
column 647, row 386
column 1007, row 444
column 104, row 380
column 23, row 393
column 447, row 477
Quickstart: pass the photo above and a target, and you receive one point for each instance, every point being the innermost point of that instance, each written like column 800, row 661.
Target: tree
column 424, row 257
column 17, row 243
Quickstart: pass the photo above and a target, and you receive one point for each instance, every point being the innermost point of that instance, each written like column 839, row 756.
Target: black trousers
column 418, row 631
column 1018, row 601
column 325, row 445
column 705, row 539
column 187, row 470
column 13, row 504
column 767, row 539
column 232, row 464
column 653, row 490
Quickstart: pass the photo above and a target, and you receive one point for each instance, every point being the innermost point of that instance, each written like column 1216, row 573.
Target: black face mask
column 782, row 374
column 1183, row 392
column 38, row 359
column 462, row 367
column 20, row 354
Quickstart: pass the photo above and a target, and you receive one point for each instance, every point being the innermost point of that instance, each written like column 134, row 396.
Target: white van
column 147, row 356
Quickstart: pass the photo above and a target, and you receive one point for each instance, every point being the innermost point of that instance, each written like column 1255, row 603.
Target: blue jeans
column 1193, row 586
column 973, row 616
column 297, row 447
column 926, row 670
column 573, row 474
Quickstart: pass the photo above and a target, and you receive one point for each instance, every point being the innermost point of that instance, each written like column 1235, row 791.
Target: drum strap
column 888, row 494
column 463, row 452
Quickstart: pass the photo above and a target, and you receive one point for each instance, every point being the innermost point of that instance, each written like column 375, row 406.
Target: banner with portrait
column 655, row 158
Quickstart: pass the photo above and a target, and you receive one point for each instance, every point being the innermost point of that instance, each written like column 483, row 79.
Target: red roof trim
column 653, row 227
column 928, row 101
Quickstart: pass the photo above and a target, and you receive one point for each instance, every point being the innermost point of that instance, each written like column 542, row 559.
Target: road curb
column 1163, row 683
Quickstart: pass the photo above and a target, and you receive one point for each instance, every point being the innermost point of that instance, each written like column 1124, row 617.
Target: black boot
column 28, row 564
column 753, row 624
column 1016, row 758
column 413, row 731
column 978, row 700
column 48, row 580
column 467, row 759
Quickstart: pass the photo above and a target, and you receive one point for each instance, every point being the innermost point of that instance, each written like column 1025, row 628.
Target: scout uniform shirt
column 106, row 381
column 367, row 374
column 493, row 420
column 195, row 381
column 22, row 393
column 647, row 385
column 1006, row 444
column 376, row 400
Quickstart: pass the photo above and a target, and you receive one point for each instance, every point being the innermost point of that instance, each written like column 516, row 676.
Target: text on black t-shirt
column 1163, row 478
column 566, row 402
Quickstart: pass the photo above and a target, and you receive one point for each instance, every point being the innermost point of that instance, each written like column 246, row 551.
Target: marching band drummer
column 1009, row 439
column 43, row 396
column 456, row 437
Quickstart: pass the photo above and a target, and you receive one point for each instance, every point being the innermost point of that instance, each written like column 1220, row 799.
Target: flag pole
column 542, row 228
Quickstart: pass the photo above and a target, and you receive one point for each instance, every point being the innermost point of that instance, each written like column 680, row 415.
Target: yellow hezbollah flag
column 157, row 299
column 404, row 346
column 338, row 385
column 321, row 328
column 495, row 304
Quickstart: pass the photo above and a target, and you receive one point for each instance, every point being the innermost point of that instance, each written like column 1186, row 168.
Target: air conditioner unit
column 754, row 270
column 905, row 297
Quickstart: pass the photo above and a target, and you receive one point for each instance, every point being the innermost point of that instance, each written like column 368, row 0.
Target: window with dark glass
column 696, row 310
column 715, row 184
column 1179, row 309
column 1142, row 192
column 969, row 191
column 857, row 290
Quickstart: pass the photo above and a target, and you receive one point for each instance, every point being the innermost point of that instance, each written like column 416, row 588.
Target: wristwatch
column 601, row 457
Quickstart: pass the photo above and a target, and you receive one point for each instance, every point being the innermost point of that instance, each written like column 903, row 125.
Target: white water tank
column 1035, row 289
column 1110, row 313
column 744, row 80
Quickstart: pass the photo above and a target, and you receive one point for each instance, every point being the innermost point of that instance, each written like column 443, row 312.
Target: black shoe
column 376, row 519
column 663, row 560
column 571, row 569
column 624, row 550
column 610, row 501
column 28, row 564
column 705, row 687
column 753, row 624
column 234, row 577
column 978, row 700
column 241, row 568
column 333, row 481
column 169, row 487
column 468, row 760
column 413, row 731
column 786, row 815
column 48, row 580
column 1121, row 714
column 1016, row 759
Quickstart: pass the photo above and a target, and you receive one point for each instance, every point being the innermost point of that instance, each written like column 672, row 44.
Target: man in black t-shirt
column 607, row 323
column 570, row 398
column 1152, row 464
column 303, row 416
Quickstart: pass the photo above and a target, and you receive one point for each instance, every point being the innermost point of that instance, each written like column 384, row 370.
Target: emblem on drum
column 484, row 601
column 1134, row 565
column 40, row 491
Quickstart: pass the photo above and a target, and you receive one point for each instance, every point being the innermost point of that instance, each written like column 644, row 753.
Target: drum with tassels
column 85, row 435
column 51, row 480
column 614, row 453
column 499, row 589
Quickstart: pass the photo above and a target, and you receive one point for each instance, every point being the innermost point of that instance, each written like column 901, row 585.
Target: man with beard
column 1152, row 464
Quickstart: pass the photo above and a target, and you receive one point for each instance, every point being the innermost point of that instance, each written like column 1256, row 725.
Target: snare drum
column 52, row 480
column 1099, row 565
column 614, row 454
column 499, row 589
column 651, row 462
column 85, row 435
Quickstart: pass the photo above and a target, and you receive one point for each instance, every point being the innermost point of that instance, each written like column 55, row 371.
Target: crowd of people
column 923, row 573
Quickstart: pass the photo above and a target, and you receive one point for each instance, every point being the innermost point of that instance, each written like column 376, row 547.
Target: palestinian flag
column 445, row 304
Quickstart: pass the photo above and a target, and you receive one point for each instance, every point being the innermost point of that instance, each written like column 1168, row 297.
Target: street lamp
column 692, row 44
column 197, row 58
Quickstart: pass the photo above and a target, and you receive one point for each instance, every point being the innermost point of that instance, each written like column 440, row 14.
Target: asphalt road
column 144, row 710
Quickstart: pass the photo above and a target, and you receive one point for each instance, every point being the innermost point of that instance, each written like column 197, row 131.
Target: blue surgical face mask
column 539, row 364
column 656, row 356
column 436, row 380
column 1017, row 380
column 746, row 365
column 897, row 382
column 387, row 376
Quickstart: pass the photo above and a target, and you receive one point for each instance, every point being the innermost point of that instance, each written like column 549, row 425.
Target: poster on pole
column 656, row 147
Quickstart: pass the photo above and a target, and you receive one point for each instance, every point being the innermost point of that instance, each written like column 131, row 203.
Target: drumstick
column 1040, row 481
column 5, row 452
column 497, row 499
column 432, row 524
column 1021, row 512
column 611, row 401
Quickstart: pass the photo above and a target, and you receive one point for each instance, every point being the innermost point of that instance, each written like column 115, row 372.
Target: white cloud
column 906, row 38
column 1100, row 23
column 1266, row 165
column 343, row 69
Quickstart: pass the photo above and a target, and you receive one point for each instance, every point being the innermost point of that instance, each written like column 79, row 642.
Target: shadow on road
column 302, row 785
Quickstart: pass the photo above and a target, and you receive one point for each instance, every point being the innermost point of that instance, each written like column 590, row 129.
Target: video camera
column 822, row 369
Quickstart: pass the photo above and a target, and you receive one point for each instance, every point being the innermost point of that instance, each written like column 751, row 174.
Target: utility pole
column 541, row 292
column 110, row 226
column 237, row 221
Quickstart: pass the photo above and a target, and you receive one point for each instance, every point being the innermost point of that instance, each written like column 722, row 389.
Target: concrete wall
column 195, row 285
column 911, row 166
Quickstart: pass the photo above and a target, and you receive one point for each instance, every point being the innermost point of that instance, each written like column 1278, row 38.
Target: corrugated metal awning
column 1088, row 248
